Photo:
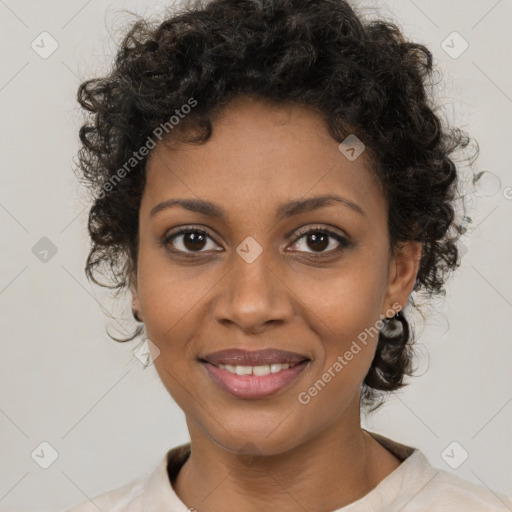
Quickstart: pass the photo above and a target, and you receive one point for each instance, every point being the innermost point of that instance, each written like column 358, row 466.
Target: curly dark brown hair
column 363, row 77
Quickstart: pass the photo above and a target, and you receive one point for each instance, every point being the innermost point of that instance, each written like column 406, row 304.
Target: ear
column 403, row 269
column 135, row 295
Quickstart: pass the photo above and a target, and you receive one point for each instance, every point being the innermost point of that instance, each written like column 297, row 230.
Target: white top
column 414, row 486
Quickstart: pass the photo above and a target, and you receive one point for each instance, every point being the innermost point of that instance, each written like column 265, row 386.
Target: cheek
column 345, row 299
column 169, row 305
column 349, row 331
column 343, row 307
column 169, row 294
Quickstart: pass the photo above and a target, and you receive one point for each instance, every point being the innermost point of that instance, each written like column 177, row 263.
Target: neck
column 329, row 471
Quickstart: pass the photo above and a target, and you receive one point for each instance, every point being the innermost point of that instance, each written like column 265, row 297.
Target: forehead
column 260, row 153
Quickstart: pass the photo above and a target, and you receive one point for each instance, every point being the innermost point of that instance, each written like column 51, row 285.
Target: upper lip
column 240, row 357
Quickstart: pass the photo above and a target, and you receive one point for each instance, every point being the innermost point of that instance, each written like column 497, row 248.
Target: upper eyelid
column 315, row 227
column 342, row 239
column 181, row 230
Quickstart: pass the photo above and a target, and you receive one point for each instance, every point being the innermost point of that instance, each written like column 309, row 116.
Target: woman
column 273, row 186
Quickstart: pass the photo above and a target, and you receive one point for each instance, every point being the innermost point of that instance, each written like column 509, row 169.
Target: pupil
column 316, row 238
column 194, row 238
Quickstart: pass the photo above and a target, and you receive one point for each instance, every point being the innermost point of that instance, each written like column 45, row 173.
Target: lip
column 253, row 386
column 242, row 357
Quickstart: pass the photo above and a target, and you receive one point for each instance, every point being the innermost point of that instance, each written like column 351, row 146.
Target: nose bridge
column 252, row 275
column 252, row 294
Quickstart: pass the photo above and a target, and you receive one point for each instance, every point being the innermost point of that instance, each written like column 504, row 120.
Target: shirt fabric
column 414, row 486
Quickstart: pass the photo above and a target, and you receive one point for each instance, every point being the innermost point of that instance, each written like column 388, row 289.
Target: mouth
column 254, row 382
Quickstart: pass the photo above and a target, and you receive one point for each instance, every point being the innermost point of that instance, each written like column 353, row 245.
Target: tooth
column 261, row 370
column 243, row 370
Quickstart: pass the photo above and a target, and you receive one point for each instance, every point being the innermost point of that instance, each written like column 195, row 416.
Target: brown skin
column 304, row 457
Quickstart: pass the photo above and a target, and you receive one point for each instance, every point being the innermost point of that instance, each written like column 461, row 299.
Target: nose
column 252, row 296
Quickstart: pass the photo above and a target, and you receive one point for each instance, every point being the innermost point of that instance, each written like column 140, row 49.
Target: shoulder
column 448, row 492
column 417, row 486
column 152, row 491
column 125, row 498
column 432, row 489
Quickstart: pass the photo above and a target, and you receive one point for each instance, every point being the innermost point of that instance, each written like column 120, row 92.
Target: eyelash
column 344, row 243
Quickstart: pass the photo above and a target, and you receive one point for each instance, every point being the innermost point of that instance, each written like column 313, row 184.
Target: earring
column 136, row 315
column 392, row 327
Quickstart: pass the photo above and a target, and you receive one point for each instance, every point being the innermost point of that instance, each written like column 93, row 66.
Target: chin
column 251, row 438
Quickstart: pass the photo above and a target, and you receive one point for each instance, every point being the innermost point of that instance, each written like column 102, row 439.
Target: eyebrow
column 285, row 210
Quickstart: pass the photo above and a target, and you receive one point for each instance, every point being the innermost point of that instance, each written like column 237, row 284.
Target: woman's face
column 254, row 282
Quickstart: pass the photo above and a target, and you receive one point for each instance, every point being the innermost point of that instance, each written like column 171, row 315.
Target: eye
column 319, row 239
column 188, row 240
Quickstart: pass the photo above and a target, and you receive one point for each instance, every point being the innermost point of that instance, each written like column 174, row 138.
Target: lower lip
column 253, row 386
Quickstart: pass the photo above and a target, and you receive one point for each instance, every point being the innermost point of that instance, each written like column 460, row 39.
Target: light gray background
column 65, row 382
